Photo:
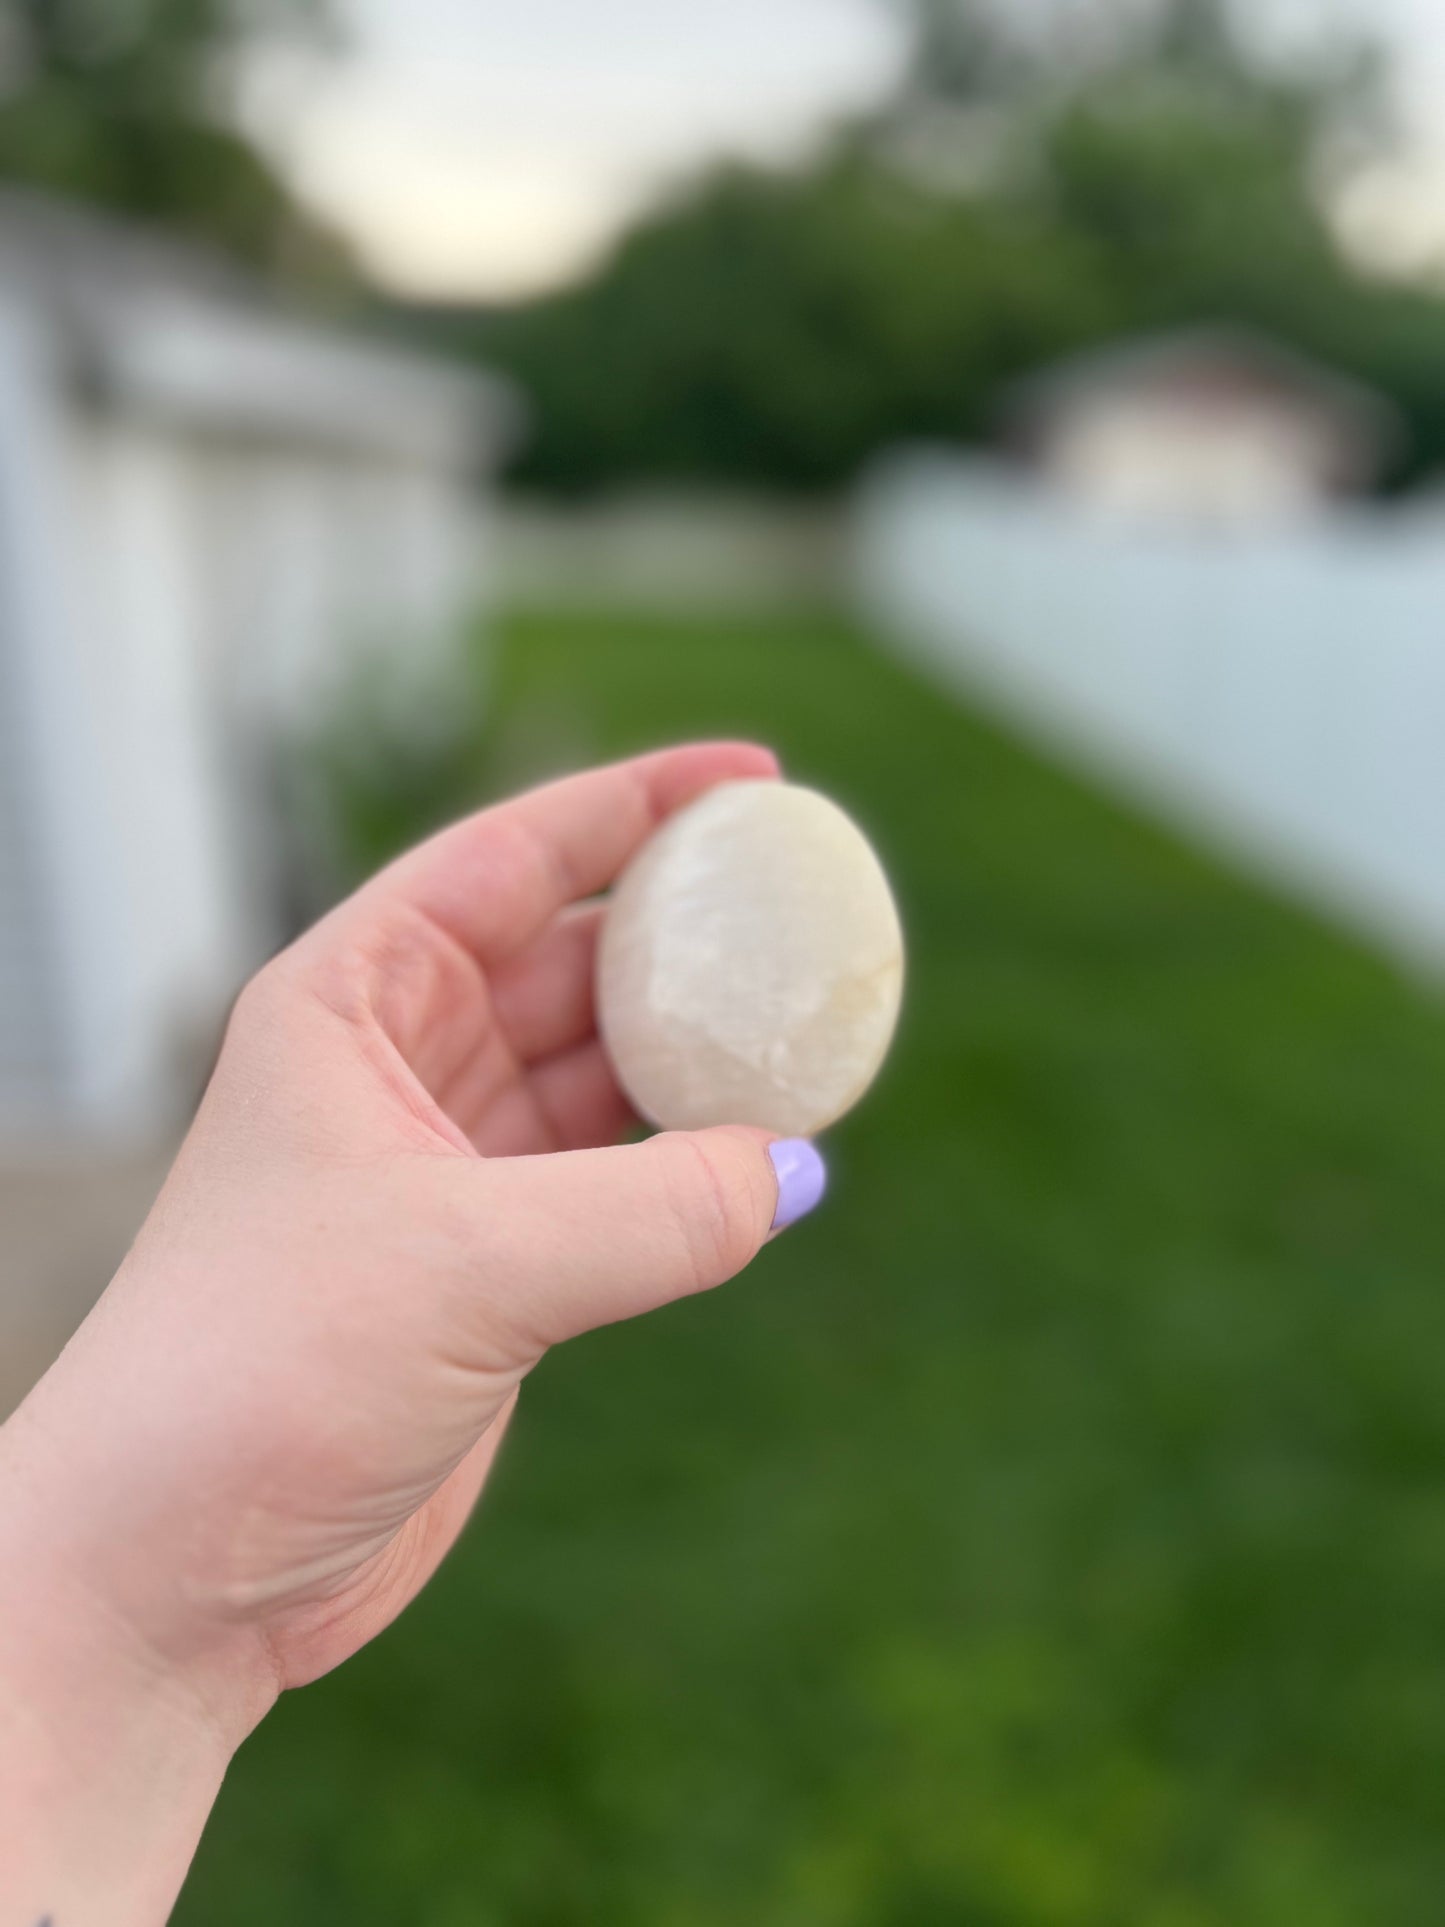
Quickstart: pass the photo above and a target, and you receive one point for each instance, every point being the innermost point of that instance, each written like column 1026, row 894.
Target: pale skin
column 406, row 1182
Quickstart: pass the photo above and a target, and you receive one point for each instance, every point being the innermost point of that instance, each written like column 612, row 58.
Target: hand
column 402, row 1187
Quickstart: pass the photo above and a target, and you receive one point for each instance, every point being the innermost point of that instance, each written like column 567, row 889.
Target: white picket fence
column 1281, row 692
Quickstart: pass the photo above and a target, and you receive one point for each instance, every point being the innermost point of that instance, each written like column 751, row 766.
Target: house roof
column 1358, row 413
column 178, row 332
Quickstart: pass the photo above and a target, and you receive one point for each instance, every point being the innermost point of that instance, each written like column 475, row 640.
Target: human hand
column 404, row 1184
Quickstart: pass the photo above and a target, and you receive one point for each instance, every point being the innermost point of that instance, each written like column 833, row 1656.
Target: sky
column 492, row 148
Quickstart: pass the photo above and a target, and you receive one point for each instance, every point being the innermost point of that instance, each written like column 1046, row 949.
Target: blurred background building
column 217, row 520
column 1213, row 426
column 1031, row 418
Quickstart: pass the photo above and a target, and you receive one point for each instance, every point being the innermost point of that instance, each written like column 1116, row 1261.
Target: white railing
column 1281, row 691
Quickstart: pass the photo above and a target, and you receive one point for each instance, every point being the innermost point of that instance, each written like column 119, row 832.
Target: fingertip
column 764, row 761
column 802, row 1179
column 689, row 770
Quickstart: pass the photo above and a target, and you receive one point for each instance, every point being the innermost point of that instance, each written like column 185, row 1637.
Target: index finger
column 494, row 880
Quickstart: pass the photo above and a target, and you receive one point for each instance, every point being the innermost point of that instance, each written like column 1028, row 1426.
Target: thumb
column 590, row 1237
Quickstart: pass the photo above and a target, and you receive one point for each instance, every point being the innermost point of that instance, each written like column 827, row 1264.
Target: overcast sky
column 491, row 147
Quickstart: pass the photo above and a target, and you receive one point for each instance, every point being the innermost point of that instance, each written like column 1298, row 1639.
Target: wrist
column 116, row 1728
column 107, row 1775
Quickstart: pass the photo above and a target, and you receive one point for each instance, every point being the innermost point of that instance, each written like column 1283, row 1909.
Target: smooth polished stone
column 751, row 964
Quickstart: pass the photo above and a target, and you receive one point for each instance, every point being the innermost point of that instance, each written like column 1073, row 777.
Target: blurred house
column 1213, row 425
column 214, row 518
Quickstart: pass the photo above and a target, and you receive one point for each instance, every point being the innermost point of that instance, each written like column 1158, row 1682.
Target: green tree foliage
column 1192, row 171
column 1195, row 175
column 1024, row 194
column 114, row 102
column 780, row 328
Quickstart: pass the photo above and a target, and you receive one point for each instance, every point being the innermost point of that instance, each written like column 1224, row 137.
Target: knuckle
column 255, row 1003
column 266, row 999
column 713, row 1207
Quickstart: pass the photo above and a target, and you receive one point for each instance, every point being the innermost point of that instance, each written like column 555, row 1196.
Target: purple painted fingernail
column 802, row 1179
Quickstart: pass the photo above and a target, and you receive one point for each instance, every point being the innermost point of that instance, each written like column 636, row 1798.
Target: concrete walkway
column 65, row 1224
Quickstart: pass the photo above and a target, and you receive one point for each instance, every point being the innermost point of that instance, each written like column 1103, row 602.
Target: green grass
column 1050, row 1534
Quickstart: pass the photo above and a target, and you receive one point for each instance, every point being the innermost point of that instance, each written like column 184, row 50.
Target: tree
column 776, row 328
column 1146, row 171
column 117, row 104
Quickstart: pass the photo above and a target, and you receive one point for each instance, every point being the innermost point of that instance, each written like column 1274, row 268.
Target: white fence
column 669, row 551
column 1282, row 691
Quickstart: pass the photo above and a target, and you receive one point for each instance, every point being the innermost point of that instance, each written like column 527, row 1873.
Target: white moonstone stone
column 751, row 964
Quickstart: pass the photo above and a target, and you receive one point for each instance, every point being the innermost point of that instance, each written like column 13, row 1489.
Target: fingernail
column 802, row 1179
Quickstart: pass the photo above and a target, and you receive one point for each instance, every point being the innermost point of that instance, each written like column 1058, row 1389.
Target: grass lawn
column 1050, row 1534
